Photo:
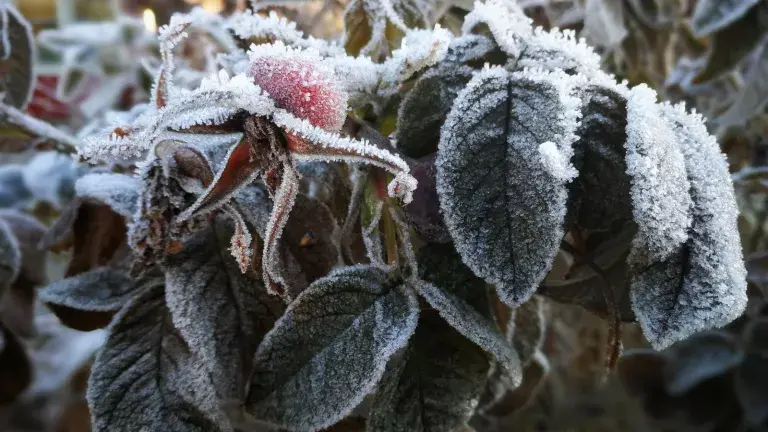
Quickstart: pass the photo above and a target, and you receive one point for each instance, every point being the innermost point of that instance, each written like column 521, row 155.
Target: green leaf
column 145, row 378
column 434, row 386
column 331, row 348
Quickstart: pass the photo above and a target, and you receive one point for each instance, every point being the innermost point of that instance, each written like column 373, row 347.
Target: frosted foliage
column 300, row 83
column 144, row 378
column 434, row 386
column 257, row 28
column 526, row 328
column 475, row 327
column 220, row 312
column 704, row 286
column 118, row 191
column 659, row 185
column 101, row 289
column 10, row 256
column 467, row 48
column 713, row 15
column 506, row 21
column 334, row 339
column 503, row 207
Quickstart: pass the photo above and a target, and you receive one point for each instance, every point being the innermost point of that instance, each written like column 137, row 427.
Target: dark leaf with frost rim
column 119, row 191
column 460, row 298
column 222, row 313
column 334, row 339
column 701, row 284
column 89, row 300
column 145, row 378
column 434, row 386
column 503, row 162
column 713, row 15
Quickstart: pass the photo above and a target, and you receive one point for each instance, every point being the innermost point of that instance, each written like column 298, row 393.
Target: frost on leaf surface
column 710, row 16
column 255, row 28
column 334, row 339
column 659, row 185
column 460, row 299
column 703, row 283
column 118, row 191
column 222, row 313
column 503, row 205
column 101, row 289
column 434, row 386
column 145, row 378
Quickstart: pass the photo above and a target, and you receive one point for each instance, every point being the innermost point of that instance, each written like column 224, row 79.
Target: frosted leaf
column 699, row 358
column 327, row 146
column 470, row 323
column 469, row 48
column 702, row 283
column 553, row 49
column 505, row 20
column 300, row 83
column 10, row 257
column 460, row 298
column 424, row 109
column 434, row 386
column 284, row 198
column 18, row 53
column 145, row 378
column 256, row 28
column 503, row 207
column 222, row 313
column 168, row 36
column 713, row 15
column 103, row 289
column 118, row 191
column 600, row 195
column 334, row 339
column 366, row 22
column 527, row 328
column 659, row 186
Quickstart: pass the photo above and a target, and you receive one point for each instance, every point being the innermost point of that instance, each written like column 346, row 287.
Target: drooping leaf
column 222, row 313
column 434, row 386
column 713, row 15
column 460, row 298
column 503, row 160
column 527, row 327
column 699, row 358
column 15, row 367
column 146, row 378
column 17, row 57
column 425, row 108
column 701, row 284
column 89, row 300
column 334, row 339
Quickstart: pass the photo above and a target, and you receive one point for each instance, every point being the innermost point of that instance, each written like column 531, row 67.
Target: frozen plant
column 311, row 237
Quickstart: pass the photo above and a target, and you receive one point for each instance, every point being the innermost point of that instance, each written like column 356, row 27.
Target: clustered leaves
column 299, row 234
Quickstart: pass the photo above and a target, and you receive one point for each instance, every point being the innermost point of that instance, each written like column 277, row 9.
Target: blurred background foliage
column 686, row 49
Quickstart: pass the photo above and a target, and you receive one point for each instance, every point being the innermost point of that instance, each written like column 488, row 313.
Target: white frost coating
column 119, row 191
column 660, row 197
column 252, row 26
column 555, row 163
column 713, row 289
column 559, row 49
column 507, row 23
column 350, row 151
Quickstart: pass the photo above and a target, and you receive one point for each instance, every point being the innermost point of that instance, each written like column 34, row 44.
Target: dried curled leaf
column 222, row 313
column 334, row 339
column 434, row 386
column 145, row 377
column 501, row 177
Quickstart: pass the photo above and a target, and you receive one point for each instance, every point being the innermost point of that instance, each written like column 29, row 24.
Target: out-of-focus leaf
column 310, row 236
column 119, row 191
column 423, row 213
column 146, row 378
column 751, row 380
column 357, row 27
column 514, row 400
column 15, row 367
column 527, row 327
column 434, row 386
column 17, row 57
column 754, row 95
column 713, row 15
column 10, row 257
column 88, row 301
column 604, row 20
column 699, row 358
column 334, row 339
column 658, row 13
column 222, row 313
column 732, row 44
column 327, row 183
column 98, row 232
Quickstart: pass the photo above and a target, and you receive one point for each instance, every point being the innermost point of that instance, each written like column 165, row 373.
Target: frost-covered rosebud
column 300, row 83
